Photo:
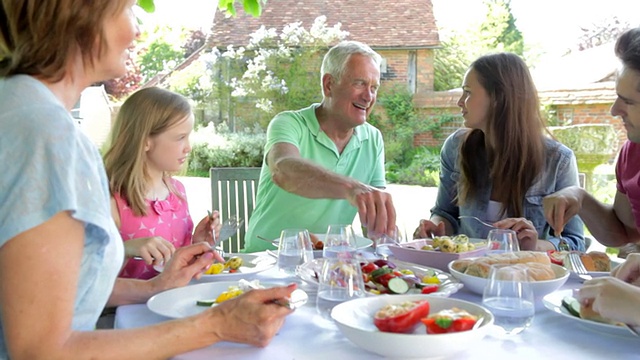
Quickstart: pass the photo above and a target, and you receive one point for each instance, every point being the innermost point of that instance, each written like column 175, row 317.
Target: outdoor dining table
column 306, row 335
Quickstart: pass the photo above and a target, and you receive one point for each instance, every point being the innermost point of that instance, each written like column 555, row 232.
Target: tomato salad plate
column 392, row 277
column 553, row 302
column 243, row 266
column 356, row 319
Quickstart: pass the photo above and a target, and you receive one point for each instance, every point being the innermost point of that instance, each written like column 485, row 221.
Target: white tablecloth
column 306, row 336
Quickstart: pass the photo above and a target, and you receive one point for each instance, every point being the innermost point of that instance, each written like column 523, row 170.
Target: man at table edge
column 612, row 225
column 325, row 162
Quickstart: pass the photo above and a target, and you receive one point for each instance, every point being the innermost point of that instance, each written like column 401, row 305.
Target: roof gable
column 380, row 24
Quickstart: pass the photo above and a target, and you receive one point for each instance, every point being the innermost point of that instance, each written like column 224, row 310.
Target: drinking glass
column 340, row 280
column 503, row 240
column 508, row 295
column 294, row 249
column 381, row 242
column 340, row 241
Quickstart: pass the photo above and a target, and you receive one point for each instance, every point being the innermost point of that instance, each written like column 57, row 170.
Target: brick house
column 403, row 32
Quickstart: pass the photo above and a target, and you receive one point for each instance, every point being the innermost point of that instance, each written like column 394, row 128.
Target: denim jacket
column 560, row 171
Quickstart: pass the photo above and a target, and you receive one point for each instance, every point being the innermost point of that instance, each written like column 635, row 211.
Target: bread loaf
column 537, row 263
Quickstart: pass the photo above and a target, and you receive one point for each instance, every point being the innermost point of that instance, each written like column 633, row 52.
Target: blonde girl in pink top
column 149, row 142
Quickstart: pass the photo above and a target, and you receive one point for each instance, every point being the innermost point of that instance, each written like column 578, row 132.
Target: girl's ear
column 147, row 144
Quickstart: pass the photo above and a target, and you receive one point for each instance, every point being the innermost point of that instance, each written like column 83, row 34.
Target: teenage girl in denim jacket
column 500, row 166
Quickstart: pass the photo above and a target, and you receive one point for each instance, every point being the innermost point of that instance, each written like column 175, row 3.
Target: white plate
column 354, row 318
column 252, row 264
column 361, row 243
column 553, row 302
column 540, row 288
column 181, row 302
column 448, row 284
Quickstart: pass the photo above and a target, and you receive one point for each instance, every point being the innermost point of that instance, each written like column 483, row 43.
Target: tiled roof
column 380, row 24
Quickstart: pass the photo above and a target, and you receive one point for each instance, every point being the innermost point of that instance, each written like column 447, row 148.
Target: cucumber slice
column 380, row 271
column 398, row 285
column 572, row 305
column 207, row 302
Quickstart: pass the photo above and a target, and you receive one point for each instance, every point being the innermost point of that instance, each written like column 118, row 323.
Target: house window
column 383, row 66
column 564, row 116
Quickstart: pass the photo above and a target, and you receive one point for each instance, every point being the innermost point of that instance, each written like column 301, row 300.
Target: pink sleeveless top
column 169, row 219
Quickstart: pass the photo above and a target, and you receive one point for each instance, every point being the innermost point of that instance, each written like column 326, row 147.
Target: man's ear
column 327, row 84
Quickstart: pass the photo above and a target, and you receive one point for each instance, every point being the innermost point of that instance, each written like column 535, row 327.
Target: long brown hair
column 39, row 37
column 511, row 153
column 146, row 113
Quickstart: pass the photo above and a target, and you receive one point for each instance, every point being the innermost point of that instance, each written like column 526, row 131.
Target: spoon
column 478, row 220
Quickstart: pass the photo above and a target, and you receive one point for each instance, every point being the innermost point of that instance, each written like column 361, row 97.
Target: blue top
column 276, row 209
column 51, row 166
column 560, row 171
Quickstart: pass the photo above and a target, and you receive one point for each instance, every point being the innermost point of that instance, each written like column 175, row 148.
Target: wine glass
column 340, row 280
column 503, row 240
column 509, row 296
column 294, row 249
column 340, row 241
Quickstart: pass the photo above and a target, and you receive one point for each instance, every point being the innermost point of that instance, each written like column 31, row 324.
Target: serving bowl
column 540, row 288
column 411, row 252
column 354, row 318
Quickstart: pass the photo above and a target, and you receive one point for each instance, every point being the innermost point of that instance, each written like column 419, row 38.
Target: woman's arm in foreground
column 37, row 306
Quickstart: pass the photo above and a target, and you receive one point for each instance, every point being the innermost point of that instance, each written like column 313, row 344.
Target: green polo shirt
column 277, row 209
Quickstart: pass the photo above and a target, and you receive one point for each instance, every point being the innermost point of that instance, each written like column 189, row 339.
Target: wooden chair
column 233, row 193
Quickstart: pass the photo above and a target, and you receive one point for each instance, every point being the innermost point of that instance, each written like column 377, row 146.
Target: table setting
column 342, row 293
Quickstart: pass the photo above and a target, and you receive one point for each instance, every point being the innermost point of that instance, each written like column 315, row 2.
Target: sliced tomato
column 556, row 256
column 405, row 321
column 428, row 289
column 369, row 267
column 448, row 321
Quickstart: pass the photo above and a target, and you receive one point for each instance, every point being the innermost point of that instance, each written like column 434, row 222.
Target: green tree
column 158, row 57
column 499, row 31
column 253, row 7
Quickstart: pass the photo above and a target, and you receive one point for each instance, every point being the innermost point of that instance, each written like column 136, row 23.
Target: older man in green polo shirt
column 325, row 163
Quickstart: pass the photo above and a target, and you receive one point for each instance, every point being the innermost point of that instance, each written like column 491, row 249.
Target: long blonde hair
column 147, row 112
column 512, row 151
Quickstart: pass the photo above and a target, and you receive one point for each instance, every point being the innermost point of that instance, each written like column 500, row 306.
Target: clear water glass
column 294, row 249
column 503, row 240
column 509, row 296
column 340, row 241
column 340, row 280
column 381, row 242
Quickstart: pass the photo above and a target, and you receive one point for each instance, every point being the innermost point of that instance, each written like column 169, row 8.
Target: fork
column 229, row 227
column 578, row 266
column 477, row 219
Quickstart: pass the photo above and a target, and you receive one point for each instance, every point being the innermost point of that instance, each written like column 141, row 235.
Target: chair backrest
column 233, row 193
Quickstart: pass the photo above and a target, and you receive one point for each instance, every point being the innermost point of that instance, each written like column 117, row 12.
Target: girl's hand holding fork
column 204, row 231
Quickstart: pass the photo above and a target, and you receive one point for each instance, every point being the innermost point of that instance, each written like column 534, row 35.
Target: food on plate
column 230, row 266
column 383, row 277
column 449, row 320
column 593, row 260
column 538, row 263
column 456, row 244
column 232, row 291
column 573, row 306
column 402, row 317
column 233, row 263
column 213, row 269
column 316, row 242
